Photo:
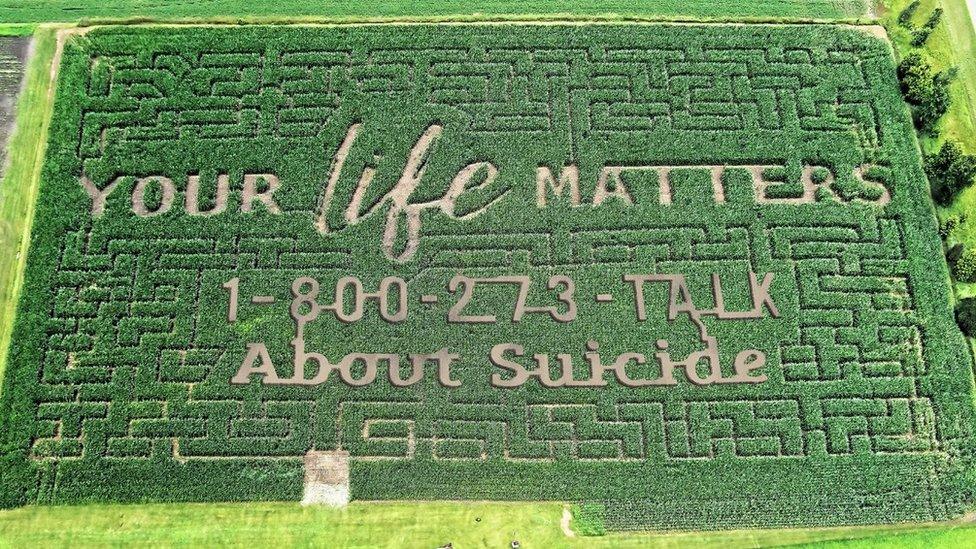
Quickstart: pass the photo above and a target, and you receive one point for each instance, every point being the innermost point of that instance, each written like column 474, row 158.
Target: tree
column 966, row 315
column 945, row 231
column 905, row 17
column 964, row 268
column 928, row 93
column 928, row 112
column 921, row 35
column 949, row 172
column 912, row 72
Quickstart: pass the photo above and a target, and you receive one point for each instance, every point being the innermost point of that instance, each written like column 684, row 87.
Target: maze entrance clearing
column 690, row 271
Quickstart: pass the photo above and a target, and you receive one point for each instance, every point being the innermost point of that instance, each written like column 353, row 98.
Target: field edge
column 26, row 149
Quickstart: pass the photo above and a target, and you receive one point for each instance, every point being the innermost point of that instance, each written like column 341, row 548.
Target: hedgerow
column 119, row 379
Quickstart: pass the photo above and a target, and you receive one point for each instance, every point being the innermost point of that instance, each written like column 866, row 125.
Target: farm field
column 73, row 10
column 208, row 194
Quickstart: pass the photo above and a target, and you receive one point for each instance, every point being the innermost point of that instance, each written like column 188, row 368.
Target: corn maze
column 690, row 272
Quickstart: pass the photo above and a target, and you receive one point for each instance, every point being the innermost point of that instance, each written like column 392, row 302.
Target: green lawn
column 18, row 188
column 398, row 525
column 72, row 10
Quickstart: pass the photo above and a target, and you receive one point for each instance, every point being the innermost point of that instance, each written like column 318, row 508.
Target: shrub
column 948, row 225
column 954, row 253
column 964, row 267
column 949, row 172
column 921, row 35
column 905, row 17
column 928, row 93
column 966, row 316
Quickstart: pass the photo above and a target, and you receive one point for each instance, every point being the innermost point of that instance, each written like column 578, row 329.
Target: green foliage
column 588, row 519
column 905, row 17
column 949, row 224
column 119, row 374
column 410, row 525
column 951, row 50
column 954, row 253
column 946, row 77
column 964, row 264
column 921, row 35
column 18, row 188
column 966, row 315
column 949, row 171
column 914, row 74
column 927, row 93
column 16, row 30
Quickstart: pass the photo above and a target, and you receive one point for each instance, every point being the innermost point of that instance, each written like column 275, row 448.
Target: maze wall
column 713, row 151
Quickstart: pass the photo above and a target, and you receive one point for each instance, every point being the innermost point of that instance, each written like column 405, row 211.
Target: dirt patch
column 565, row 521
column 874, row 30
column 14, row 52
column 63, row 36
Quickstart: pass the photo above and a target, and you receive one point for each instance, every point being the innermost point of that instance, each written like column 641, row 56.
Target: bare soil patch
column 14, row 51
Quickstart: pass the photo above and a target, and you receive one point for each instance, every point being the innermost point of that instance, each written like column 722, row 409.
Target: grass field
column 72, row 10
column 403, row 525
column 119, row 382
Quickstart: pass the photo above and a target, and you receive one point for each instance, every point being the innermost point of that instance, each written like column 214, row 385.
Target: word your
column 251, row 194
